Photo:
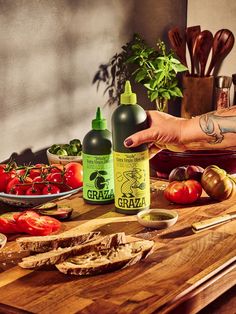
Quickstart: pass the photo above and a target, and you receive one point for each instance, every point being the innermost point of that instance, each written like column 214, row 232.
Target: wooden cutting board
column 185, row 270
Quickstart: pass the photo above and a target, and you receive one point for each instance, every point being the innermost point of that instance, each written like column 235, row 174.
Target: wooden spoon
column 223, row 43
column 191, row 35
column 202, row 48
column 178, row 44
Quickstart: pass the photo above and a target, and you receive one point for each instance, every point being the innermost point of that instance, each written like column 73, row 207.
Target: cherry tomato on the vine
column 51, row 189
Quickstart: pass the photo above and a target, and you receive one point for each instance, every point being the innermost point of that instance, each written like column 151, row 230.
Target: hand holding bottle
column 164, row 132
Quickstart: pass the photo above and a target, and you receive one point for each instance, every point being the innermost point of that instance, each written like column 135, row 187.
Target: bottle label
column 98, row 182
column 132, row 185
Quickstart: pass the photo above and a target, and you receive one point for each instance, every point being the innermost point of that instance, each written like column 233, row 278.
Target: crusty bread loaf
column 41, row 244
column 61, row 254
column 107, row 260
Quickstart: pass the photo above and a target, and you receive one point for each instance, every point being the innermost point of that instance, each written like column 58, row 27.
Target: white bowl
column 164, row 218
column 63, row 160
column 34, row 200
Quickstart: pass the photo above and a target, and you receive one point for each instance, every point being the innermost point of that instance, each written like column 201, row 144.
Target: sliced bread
column 61, row 254
column 102, row 261
column 41, row 244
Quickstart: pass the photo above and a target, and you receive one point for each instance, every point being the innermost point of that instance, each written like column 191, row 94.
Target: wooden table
column 185, row 272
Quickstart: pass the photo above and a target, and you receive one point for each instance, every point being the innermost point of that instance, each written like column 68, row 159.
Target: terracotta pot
column 167, row 160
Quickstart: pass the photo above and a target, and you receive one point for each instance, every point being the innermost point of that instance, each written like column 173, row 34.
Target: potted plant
column 155, row 69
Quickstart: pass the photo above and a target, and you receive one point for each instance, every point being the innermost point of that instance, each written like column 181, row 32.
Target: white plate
column 34, row 200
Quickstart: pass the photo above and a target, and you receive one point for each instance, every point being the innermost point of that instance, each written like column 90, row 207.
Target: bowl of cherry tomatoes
column 32, row 185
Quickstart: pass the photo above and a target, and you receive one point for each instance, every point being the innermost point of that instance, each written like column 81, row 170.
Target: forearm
column 214, row 130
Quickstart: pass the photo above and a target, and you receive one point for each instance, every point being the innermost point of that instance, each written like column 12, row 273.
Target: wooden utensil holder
column 197, row 96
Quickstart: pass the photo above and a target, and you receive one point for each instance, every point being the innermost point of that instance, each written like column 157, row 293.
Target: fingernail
column 128, row 142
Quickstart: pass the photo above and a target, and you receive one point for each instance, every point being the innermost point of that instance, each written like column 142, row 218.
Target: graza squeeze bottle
column 98, row 182
column 131, row 165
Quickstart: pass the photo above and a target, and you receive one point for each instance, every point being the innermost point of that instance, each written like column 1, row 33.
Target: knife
column 211, row 222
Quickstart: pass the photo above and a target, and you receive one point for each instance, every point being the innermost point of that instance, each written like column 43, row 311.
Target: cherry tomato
column 56, row 168
column 55, row 177
column 33, row 190
column 5, row 177
column 39, row 182
column 2, row 168
column 8, row 223
column 34, row 173
column 51, row 189
column 74, row 175
column 183, row 192
column 16, row 184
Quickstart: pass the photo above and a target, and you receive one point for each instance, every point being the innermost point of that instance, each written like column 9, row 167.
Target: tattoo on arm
column 216, row 126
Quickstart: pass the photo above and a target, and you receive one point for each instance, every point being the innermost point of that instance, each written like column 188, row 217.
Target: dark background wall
column 49, row 54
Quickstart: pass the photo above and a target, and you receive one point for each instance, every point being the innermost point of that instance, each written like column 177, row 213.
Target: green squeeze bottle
column 98, row 182
column 131, row 165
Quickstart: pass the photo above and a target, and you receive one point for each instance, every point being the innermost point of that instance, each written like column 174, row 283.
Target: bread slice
column 97, row 262
column 61, row 254
column 41, row 244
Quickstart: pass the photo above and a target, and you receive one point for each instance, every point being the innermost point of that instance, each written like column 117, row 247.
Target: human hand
column 164, row 132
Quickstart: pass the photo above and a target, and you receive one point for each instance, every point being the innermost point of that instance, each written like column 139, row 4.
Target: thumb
column 141, row 137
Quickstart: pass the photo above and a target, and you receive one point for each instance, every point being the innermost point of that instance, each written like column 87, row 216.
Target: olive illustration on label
column 99, row 181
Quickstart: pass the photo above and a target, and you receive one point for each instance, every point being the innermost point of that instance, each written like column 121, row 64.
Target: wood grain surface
column 184, row 273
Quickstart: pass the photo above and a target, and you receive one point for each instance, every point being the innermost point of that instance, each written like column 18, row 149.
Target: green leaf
column 154, row 95
column 147, row 85
column 140, row 76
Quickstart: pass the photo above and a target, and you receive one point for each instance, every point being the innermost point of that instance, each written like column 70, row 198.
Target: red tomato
column 74, row 175
column 51, row 189
column 16, row 186
column 21, row 219
column 21, row 172
column 2, row 168
column 183, row 192
column 33, row 173
column 5, row 177
column 55, row 177
column 33, row 190
column 56, row 168
column 37, row 225
column 38, row 181
column 8, row 223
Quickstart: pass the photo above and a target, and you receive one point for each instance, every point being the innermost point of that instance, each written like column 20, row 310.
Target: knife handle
column 207, row 223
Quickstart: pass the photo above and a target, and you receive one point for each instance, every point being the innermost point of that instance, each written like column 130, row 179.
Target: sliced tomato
column 8, row 223
column 37, row 225
column 21, row 219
